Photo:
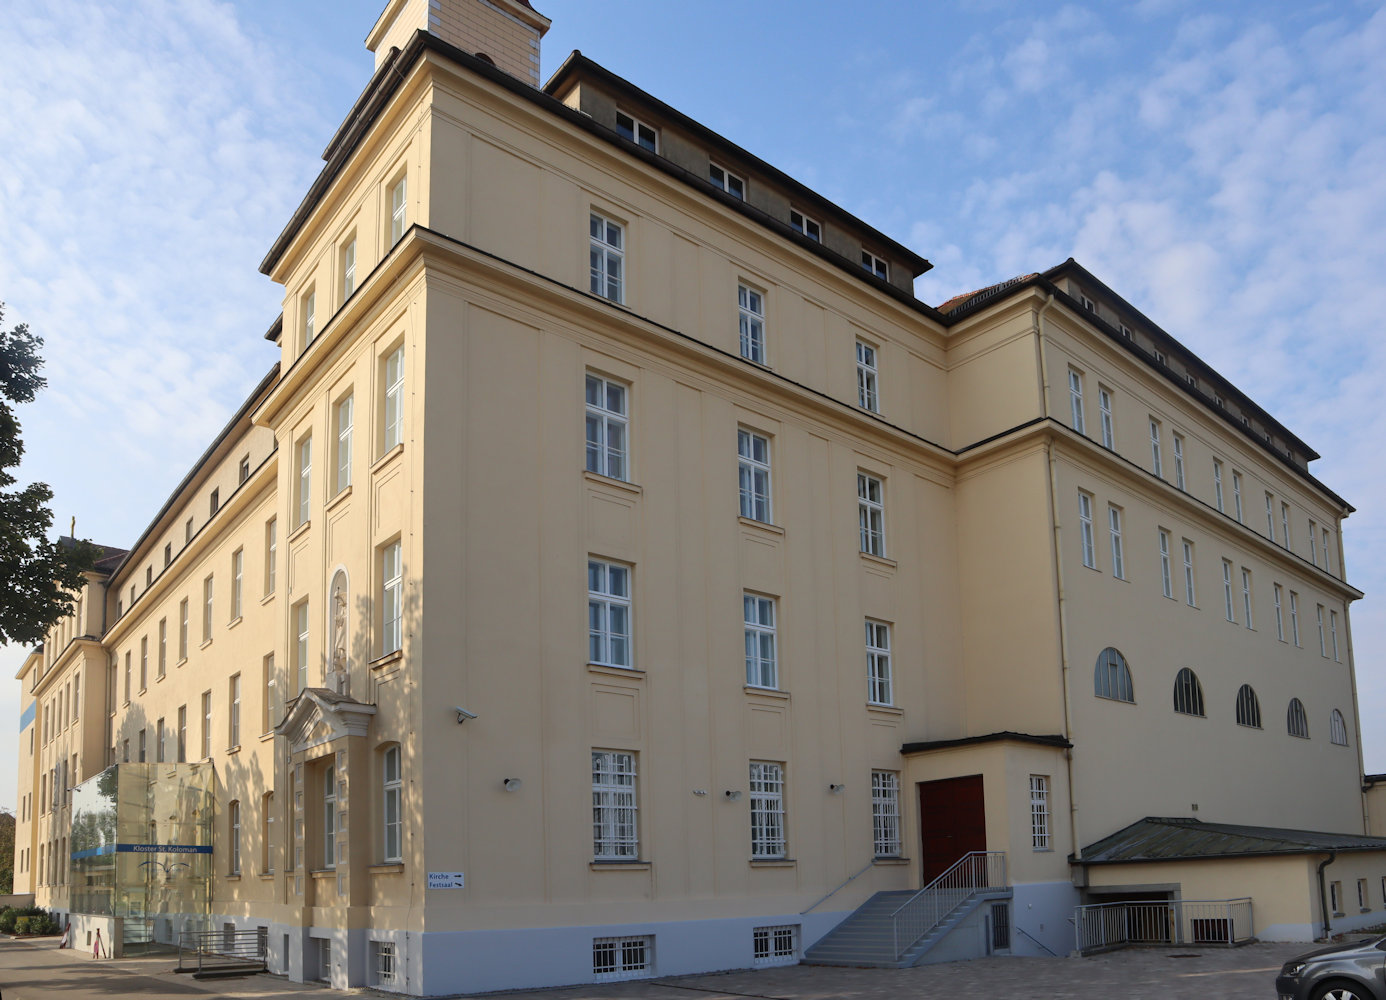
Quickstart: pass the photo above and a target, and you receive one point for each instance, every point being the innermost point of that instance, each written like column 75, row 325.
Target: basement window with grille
column 383, row 963
column 616, row 958
column 776, row 945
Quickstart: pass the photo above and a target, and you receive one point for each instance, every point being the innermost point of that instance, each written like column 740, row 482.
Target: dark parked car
column 1355, row 971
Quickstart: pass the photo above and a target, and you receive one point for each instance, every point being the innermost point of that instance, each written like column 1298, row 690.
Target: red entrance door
column 952, row 822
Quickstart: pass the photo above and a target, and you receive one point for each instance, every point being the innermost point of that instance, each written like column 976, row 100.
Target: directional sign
column 446, row 880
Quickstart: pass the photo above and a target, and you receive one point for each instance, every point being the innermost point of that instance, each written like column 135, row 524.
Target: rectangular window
column 348, row 268
column 1285, row 525
column 1294, row 617
column 394, row 805
column 801, row 223
column 234, row 824
column 399, row 210
column 207, row 610
column 391, row 599
column 753, row 474
column 182, row 733
column 159, row 756
column 393, row 432
column 871, row 514
column 1179, row 461
column 243, row 470
column 1279, row 614
column 767, row 810
column 1237, row 496
column 1333, row 633
column 724, row 180
column 308, row 310
column 1190, row 598
column 1166, row 576
column 868, row 398
column 168, row 553
column 772, row 946
column 1326, row 561
column 1270, row 517
column 127, row 678
column 875, row 265
column 1246, row 596
column 144, row 663
column 206, row 724
column 1039, row 812
column 1118, row 556
column 615, row 833
column 1227, row 591
column 1313, row 543
column 301, row 646
column 608, row 613
column 1104, row 402
column 237, row 577
column 269, row 685
column 271, row 552
column 187, row 537
column 234, row 719
column 751, row 319
column 1085, row 527
column 879, row 689
column 1075, row 401
column 628, row 127
column 1335, row 894
column 885, row 813
column 607, row 425
column 762, row 665
column 343, row 464
column 1362, row 893
column 607, row 257
column 617, row 958
column 141, row 759
column 1217, row 484
column 304, row 490
column 1323, row 643
column 163, row 646
column 213, row 505
column 1156, row 465
column 329, row 817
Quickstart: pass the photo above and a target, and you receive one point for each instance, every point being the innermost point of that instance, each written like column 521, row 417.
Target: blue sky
column 1222, row 166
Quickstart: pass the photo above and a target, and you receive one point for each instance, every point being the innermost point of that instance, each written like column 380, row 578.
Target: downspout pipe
column 1323, row 894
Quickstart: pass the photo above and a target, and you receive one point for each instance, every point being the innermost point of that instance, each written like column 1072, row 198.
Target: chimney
column 505, row 33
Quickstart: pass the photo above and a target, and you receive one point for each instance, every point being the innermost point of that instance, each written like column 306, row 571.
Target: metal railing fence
column 220, row 948
column 926, row 909
column 1104, row 926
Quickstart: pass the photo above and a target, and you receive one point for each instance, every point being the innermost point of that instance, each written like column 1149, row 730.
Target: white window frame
column 1327, row 563
column 1313, row 542
column 392, row 804
column 610, row 639
column 724, row 180
column 618, row 958
column 1217, row 485
column 1333, row 633
column 308, row 310
column 1270, row 517
column 344, row 414
column 1075, row 401
column 768, row 839
column 347, row 258
column 237, row 581
column 234, row 824
column 1039, row 812
column 774, row 946
column 1294, row 617
column 800, row 222
column 607, row 427
column 868, row 377
column 1118, row 552
column 1178, row 460
column 615, row 815
column 208, row 592
column 329, row 816
column 637, row 130
column 1278, row 592
column 1085, row 529
column 871, row 514
column 1190, row 596
column 1237, row 495
column 1246, row 597
column 885, row 813
column 753, row 475
column 233, row 720
column 880, row 685
column 271, row 553
column 1157, row 465
column 399, row 209
column 392, row 412
column 391, row 597
column 750, row 311
column 606, row 258
column 875, row 265
column 1104, row 402
column 1285, row 524
column 1323, row 644
column 1166, row 571
column 301, row 646
column 1228, row 608
column 206, row 725
column 304, row 454
column 759, row 616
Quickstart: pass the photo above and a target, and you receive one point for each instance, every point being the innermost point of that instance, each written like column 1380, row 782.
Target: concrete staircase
column 864, row 938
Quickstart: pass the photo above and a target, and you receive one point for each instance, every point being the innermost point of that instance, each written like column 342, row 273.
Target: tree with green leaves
column 6, row 852
column 38, row 576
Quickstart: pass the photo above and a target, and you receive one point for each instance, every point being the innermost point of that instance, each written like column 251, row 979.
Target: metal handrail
column 220, row 946
column 928, row 907
column 1104, row 926
column 840, row 885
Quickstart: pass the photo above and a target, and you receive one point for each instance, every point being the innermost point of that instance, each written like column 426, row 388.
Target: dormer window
column 1125, row 331
column 875, row 265
column 1159, row 357
column 1088, row 303
column 724, row 180
column 1191, row 380
column 803, row 224
column 637, row 132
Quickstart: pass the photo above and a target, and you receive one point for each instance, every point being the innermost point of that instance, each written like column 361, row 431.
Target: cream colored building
column 869, row 584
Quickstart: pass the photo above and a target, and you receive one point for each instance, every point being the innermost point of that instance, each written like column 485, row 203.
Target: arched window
column 1112, row 678
column 393, row 803
column 1296, row 721
column 234, row 819
column 1248, row 707
column 1337, row 728
column 1188, row 693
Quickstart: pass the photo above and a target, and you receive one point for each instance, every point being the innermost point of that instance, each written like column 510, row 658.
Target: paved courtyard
column 30, row 972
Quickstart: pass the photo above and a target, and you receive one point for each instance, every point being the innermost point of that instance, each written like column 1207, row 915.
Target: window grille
column 775, row 945
column 1039, row 812
column 1296, row 721
column 1112, row 677
column 384, row 962
column 616, row 958
column 1248, row 707
column 1337, row 728
column 885, row 813
column 1188, row 693
column 615, row 834
column 767, row 810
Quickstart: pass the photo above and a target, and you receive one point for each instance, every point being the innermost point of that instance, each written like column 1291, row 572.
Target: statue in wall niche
column 339, row 674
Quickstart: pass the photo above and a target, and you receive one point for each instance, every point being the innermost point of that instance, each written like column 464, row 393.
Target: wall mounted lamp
column 512, row 784
column 732, row 794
